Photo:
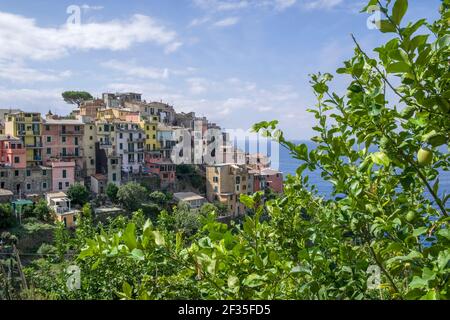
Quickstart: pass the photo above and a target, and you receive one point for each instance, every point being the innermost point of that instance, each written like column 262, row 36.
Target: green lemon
column 410, row 216
column 425, row 157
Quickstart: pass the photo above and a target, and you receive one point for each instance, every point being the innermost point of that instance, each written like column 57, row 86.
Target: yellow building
column 116, row 114
column 225, row 183
column 28, row 127
column 150, row 125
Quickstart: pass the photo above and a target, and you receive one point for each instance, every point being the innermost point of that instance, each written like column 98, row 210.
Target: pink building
column 268, row 178
column 12, row 153
column 63, row 141
column 165, row 170
column 63, row 175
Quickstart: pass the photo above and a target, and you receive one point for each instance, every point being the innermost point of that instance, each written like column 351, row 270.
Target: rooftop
column 53, row 195
column 64, row 121
column 188, row 196
column 269, row 172
column 6, row 193
column 99, row 177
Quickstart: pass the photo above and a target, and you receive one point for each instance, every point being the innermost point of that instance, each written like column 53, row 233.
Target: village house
column 194, row 200
column 225, row 183
column 60, row 205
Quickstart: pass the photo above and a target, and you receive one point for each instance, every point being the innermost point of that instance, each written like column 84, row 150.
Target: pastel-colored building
column 225, row 183
column 63, row 175
column 167, row 140
column 194, row 200
column 268, row 178
column 166, row 171
column 12, row 153
column 27, row 126
column 63, row 141
column 130, row 139
column 60, row 204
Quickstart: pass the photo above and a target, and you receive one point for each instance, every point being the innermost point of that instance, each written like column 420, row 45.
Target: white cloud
column 199, row 21
column 233, row 5
column 16, row 71
column 87, row 7
column 22, row 38
column 321, row 4
column 284, row 4
column 227, row 22
column 197, row 85
column 133, row 70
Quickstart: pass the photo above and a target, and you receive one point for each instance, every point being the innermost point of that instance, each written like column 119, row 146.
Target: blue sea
column 288, row 165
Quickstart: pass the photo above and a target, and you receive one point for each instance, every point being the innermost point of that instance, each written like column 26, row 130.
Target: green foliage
column 132, row 195
column 76, row 97
column 61, row 240
column 111, row 192
column 7, row 218
column 186, row 220
column 159, row 198
column 78, row 194
column 42, row 211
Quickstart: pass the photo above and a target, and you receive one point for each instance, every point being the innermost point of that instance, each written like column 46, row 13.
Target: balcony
column 71, row 133
column 137, row 140
column 70, row 155
column 37, row 158
column 34, row 145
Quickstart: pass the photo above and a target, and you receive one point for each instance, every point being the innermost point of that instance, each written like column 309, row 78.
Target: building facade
column 63, row 141
column 28, row 127
column 225, row 183
column 12, row 153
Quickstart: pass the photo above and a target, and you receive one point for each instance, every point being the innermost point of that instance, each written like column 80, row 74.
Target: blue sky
column 235, row 61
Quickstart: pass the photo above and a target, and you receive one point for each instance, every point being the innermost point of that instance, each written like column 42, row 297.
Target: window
column 49, row 151
column 28, row 173
column 49, row 139
column 64, row 174
column 16, row 159
column 65, row 222
column 215, row 179
column 76, row 141
column 28, row 186
column 216, row 189
column 64, row 151
column 92, row 162
column 91, row 138
column 114, row 177
column 63, row 139
column 121, row 146
column 2, row 185
column 67, row 184
column 44, row 185
column 2, row 174
column 44, row 172
column 121, row 136
column 60, row 186
column 47, row 128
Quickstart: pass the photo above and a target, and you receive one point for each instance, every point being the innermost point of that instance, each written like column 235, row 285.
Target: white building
column 192, row 199
column 130, row 141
